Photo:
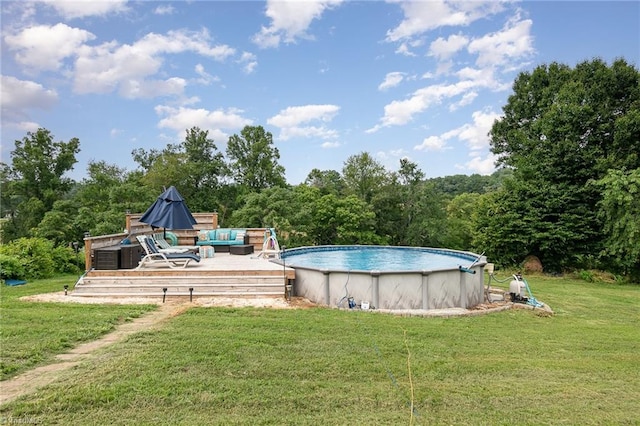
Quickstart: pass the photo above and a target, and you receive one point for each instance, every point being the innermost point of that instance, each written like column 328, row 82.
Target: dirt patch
column 239, row 302
column 61, row 298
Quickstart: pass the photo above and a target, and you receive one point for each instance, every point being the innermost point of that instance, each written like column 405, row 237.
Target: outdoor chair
column 164, row 246
column 154, row 257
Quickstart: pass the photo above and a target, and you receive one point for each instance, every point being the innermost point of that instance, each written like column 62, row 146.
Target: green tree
column 101, row 202
column 463, row 184
column 395, row 203
column 461, row 211
column 363, row 176
column 409, row 172
column 427, row 226
column 57, row 225
column 194, row 166
column 327, row 181
column 620, row 209
column 253, row 160
column 562, row 128
column 341, row 220
column 35, row 180
column 501, row 230
column 270, row 208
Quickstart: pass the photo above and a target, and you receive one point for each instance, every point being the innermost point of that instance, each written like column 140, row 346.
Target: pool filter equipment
column 352, row 302
column 518, row 289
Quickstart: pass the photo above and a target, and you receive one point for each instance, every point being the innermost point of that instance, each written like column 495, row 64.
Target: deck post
column 327, row 292
column 463, row 290
column 425, row 289
column 375, row 288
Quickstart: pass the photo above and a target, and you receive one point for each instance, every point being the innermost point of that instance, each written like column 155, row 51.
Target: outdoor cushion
column 221, row 237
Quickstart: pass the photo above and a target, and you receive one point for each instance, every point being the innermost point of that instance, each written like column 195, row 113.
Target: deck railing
column 134, row 227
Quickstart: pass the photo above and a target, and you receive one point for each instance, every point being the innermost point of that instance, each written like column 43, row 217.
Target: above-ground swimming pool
column 385, row 277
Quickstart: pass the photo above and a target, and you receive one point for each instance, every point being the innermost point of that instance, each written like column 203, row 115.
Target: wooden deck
column 223, row 275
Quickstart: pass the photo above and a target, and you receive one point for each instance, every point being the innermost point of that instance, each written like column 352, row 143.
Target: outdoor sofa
column 222, row 238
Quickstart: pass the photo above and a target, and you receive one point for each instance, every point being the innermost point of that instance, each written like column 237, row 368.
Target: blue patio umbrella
column 169, row 211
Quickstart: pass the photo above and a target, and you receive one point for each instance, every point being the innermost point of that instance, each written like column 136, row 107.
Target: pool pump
column 518, row 289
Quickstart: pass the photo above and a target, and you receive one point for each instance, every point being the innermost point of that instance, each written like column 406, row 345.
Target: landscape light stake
column 190, row 294
column 164, row 291
column 66, row 288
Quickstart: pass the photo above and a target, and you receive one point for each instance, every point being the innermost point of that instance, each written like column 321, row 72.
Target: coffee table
column 241, row 249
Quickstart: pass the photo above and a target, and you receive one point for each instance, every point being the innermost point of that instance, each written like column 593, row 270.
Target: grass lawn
column 31, row 334
column 325, row 366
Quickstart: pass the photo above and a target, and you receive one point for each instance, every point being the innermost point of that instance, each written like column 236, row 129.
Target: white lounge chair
column 154, row 257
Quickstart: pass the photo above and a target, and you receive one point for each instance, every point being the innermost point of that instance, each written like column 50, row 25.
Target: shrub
column 35, row 256
column 66, row 260
column 10, row 267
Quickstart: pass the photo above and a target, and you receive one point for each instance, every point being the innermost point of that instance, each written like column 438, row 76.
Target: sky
column 329, row 79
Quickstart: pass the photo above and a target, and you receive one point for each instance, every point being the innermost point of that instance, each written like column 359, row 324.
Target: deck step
column 188, row 280
column 236, row 286
column 225, row 275
column 274, row 294
column 106, row 290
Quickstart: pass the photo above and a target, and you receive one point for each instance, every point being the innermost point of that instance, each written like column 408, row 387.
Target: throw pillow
column 203, row 235
column 240, row 236
column 224, row 236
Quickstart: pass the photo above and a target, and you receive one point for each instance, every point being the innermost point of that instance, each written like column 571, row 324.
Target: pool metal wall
column 439, row 289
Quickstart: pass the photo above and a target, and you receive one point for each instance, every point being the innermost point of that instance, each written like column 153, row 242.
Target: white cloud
column 476, row 137
column 423, row 16
column 392, row 79
column 216, row 122
column 82, row 8
column 109, row 66
column 249, row 62
column 205, row 77
column 23, row 94
column 445, row 48
column 401, row 112
column 328, row 145
column 293, row 116
column 513, row 42
column 43, row 47
column 147, row 89
column 289, row 121
column 290, row 20
column 476, row 134
column 164, row 10
column 432, row 143
column 466, row 99
column 399, row 153
column 18, row 97
column 321, row 132
column 483, row 166
column 403, row 49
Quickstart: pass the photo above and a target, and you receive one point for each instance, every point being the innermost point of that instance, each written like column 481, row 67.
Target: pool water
column 373, row 258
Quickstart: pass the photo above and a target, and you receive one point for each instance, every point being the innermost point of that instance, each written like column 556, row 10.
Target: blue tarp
column 14, row 282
